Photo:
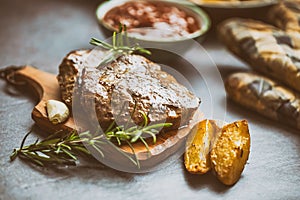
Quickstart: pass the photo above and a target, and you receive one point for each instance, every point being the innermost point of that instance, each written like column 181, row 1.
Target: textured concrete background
column 40, row 33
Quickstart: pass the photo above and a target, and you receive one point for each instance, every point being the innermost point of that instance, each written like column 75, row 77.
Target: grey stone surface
column 40, row 33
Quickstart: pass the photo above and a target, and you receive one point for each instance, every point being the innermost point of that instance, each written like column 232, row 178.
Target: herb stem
column 119, row 47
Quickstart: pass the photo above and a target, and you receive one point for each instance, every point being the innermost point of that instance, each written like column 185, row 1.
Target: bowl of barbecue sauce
column 154, row 20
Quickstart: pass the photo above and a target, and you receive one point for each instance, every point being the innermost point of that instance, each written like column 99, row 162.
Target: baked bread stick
column 265, row 48
column 265, row 96
column 286, row 15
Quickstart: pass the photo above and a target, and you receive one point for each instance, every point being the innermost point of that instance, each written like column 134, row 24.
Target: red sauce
column 159, row 16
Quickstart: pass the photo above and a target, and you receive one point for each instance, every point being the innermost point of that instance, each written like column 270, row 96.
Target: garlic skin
column 57, row 111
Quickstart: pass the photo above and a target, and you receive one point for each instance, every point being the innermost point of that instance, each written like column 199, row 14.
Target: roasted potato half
column 231, row 151
column 199, row 144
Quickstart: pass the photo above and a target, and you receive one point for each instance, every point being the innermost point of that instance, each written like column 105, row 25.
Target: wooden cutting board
column 46, row 87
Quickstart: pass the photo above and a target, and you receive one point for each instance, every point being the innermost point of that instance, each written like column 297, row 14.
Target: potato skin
column 231, row 151
column 199, row 144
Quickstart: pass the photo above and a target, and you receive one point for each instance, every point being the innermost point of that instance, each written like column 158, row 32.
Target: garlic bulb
column 57, row 111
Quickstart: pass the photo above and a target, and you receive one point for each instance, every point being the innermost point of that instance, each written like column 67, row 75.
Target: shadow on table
column 227, row 70
column 208, row 180
column 256, row 118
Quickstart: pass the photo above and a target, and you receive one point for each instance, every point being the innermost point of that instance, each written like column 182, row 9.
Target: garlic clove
column 57, row 111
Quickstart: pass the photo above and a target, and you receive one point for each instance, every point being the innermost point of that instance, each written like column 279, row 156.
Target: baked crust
column 265, row 48
column 265, row 96
column 286, row 15
column 124, row 89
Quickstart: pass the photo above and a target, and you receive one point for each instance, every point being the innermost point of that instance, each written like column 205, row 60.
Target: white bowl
column 157, row 34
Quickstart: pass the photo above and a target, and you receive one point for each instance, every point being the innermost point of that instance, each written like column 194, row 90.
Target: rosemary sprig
column 120, row 46
column 59, row 148
column 135, row 133
column 63, row 148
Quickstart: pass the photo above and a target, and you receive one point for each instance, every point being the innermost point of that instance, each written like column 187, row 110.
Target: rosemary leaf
column 81, row 149
column 152, row 134
column 14, row 155
column 98, row 149
column 38, row 162
column 136, row 136
column 120, row 45
column 145, row 143
column 133, row 152
column 69, row 154
column 97, row 42
column 157, row 126
column 114, row 39
column 66, row 146
column 131, row 129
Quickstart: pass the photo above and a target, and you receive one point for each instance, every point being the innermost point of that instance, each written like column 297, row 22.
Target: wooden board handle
column 46, row 87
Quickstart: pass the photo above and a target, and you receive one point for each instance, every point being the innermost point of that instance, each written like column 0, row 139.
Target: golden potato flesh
column 231, row 151
column 199, row 144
